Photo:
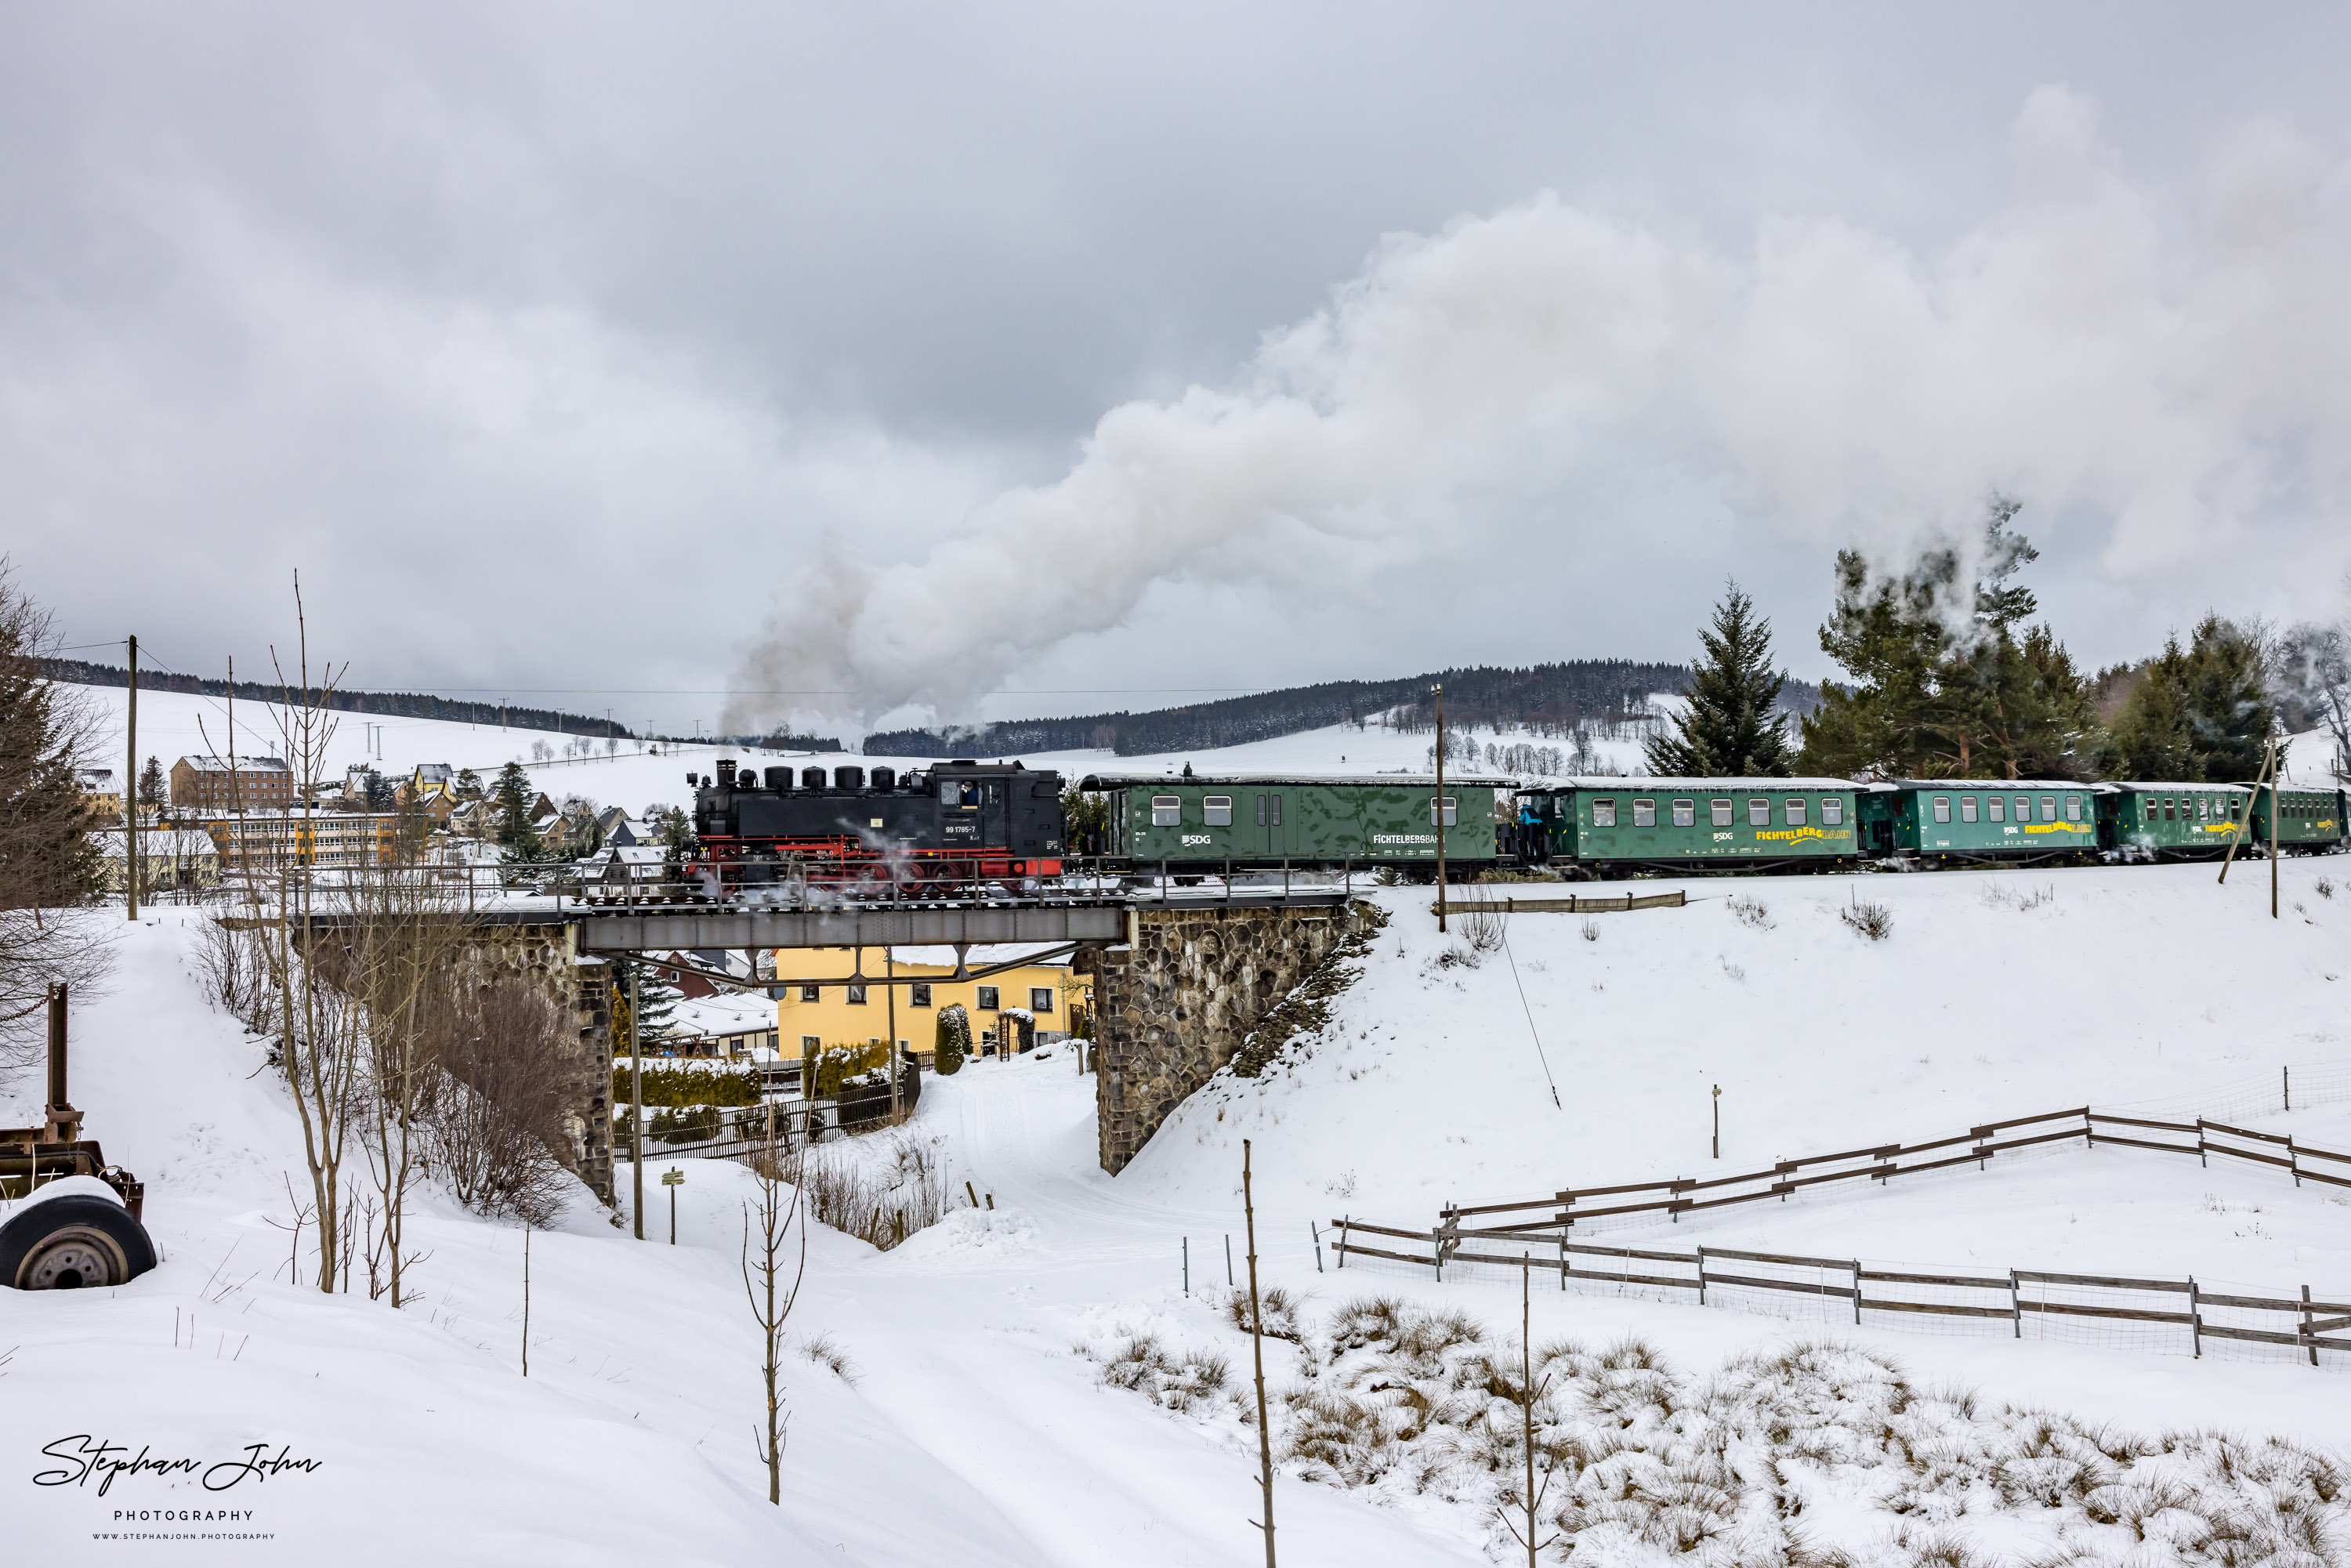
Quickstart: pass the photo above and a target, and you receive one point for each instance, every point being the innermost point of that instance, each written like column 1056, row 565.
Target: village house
column 100, row 792
column 232, row 784
column 1047, row 997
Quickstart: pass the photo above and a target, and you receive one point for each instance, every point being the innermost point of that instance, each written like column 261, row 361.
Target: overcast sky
column 1018, row 359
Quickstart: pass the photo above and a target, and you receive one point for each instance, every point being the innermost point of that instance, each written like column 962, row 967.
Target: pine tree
column 378, row 791
column 152, row 786
column 469, row 784
column 512, row 796
column 2152, row 737
column 2229, row 704
column 952, row 1041
column 1729, row 728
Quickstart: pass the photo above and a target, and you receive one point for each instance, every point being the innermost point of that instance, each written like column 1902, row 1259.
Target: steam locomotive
column 956, row 824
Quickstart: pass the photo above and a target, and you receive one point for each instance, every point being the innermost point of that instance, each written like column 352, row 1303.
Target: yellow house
column 822, row 1011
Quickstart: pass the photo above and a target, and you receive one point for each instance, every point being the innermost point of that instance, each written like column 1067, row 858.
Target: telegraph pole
column 890, row 995
column 1439, row 809
column 131, row 798
column 2277, row 806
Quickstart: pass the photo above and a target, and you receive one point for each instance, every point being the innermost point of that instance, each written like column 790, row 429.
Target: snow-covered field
column 983, row 1420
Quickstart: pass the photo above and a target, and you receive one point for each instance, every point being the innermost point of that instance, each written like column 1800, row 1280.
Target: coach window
column 1216, row 811
column 1759, row 813
column 1452, row 810
column 1276, row 811
column 1831, row 810
column 1685, row 813
column 919, row 994
column 2072, row 808
column 1723, row 813
column 1967, row 808
column 1795, row 811
column 1041, row 998
column 810, row 993
column 1644, row 813
column 857, row 996
column 2048, row 808
column 1167, row 810
column 1942, row 808
column 2170, row 811
column 2203, row 808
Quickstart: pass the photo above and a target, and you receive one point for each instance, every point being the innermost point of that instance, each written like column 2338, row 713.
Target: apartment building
column 232, row 784
column 267, row 840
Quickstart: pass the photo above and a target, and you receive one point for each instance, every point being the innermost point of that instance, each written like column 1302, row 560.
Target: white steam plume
column 2176, row 367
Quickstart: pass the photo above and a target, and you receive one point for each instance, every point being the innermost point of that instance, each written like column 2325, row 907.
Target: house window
column 2048, row 808
column 1603, row 813
column 988, row 1002
column 1685, row 813
column 1644, row 813
column 811, row 1045
column 1996, row 808
column 810, row 993
column 1759, row 813
column 2073, row 808
column 919, row 994
column 1216, row 811
column 1722, row 814
column 1452, row 811
column 1831, row 810
column 1795, row 811
column 1167, row 810
column 857, row 996
column 1041, row 998
column 1967, row 808
column 1942, row 808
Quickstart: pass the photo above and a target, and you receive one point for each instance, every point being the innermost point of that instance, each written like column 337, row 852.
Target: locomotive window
column 1942, row 808
column 810, row 993
column 1831, row 810
column 1167, row 810
column 1452, row 810
column 919, row 994
column 857, row 996
column 1996, row 808
column 988, row 999
column 963, row 793
column 1685, row 813
column 1216, row 811
column 995, row 795
column 1723, row 813
column 1795, row 811
column 1967, row 808
column 1644, row 813
column 2048, row 808
column 1603, row 813
column 1759, row 814
column 1041, row 998
column 2072, row 808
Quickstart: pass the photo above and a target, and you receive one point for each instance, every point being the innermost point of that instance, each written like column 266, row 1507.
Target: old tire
column 73, row 1243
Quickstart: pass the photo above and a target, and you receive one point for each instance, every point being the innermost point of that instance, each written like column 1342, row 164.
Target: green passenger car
column 2310, row 823
column 1668, row 824
column 1264, row 819
column 2173, row 821
column 1979, row 819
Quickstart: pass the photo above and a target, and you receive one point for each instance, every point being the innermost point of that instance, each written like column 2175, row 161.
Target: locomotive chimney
column 779, row 779
column 727, row 773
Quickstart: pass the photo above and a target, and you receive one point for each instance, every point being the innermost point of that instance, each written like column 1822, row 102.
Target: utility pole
column 131, row 798
column 1717, row 1121
column 890, row 990
column 1437, row 810
column 636, row 1106
column 2246, row 832
column 2277, row 808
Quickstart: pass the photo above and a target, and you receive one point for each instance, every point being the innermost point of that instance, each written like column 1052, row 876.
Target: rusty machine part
column 30, row 1157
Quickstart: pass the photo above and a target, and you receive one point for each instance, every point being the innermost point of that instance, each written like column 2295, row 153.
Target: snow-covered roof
column 722, row 1014
column 2144, row 784
column 1994, row 786
column 435, row 773
column 244, row 763
column 1407, row 780
column 1697, row 786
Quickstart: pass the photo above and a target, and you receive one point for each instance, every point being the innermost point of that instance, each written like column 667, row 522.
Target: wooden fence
column 1617, row 904
column 1542, row 1235
column 2019, row 1296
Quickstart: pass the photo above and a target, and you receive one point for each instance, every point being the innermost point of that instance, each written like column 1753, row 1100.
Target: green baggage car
column 2173, row 821
column 1203, row 822
column 2311, row 821
column 1606, row 825
column 1979, row 819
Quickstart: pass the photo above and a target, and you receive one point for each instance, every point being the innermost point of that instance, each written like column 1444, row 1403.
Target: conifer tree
column 152, row 786
column 512, row 795
column 2229, row 704
column 469, row 784
column 1729, row 728
column 952, row 1041
column 2152, row 737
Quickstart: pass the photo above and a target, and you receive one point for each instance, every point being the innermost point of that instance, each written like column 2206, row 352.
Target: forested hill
column 1548, row 699
column 398, row 704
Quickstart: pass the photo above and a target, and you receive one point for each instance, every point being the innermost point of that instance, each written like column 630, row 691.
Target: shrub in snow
column 1750, row 911
column 951, row 1042
column 1275, row 1307
column 1591, row 931
column 882, row 1194
column 1873, row 921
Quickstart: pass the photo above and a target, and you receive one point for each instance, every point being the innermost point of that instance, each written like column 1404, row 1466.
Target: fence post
column 1343, row 1242
column 2307, row 1338
column 1318, row 1245
column 1562, row 1262
column 2015, row 1307
column 2203, row 1154
column 2195, row 1320
column 2285, row 1078
column 1857, row 1292
column 1701, row 1276
column 2292, row 1160
column 2089, row 1130
column 1436, row 1250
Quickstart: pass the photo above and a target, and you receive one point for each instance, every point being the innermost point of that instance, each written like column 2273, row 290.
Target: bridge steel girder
column 850, row 927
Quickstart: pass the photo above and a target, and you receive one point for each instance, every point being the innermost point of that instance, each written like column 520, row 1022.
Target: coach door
column 1270, row 837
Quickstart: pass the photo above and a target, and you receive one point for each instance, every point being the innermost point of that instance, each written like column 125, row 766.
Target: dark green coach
column 2173, row 821
column 1259, row 820
column 1979, row 819
column 2309, row 821
column 1668, row 824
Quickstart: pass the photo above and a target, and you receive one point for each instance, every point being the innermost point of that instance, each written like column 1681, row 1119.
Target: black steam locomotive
column 953, row 825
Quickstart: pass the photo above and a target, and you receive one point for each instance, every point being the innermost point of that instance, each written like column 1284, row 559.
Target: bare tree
column 2312, row 674
column 49, row 868
column 495, row 1115
column 774, row 1214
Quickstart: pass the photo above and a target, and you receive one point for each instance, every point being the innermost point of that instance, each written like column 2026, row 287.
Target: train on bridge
column 967, row 824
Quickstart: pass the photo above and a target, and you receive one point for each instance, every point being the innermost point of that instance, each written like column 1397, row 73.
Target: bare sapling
column 1529, row 1392
column 769, row 1222
column 1257, row 1354
column 526, row 1295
